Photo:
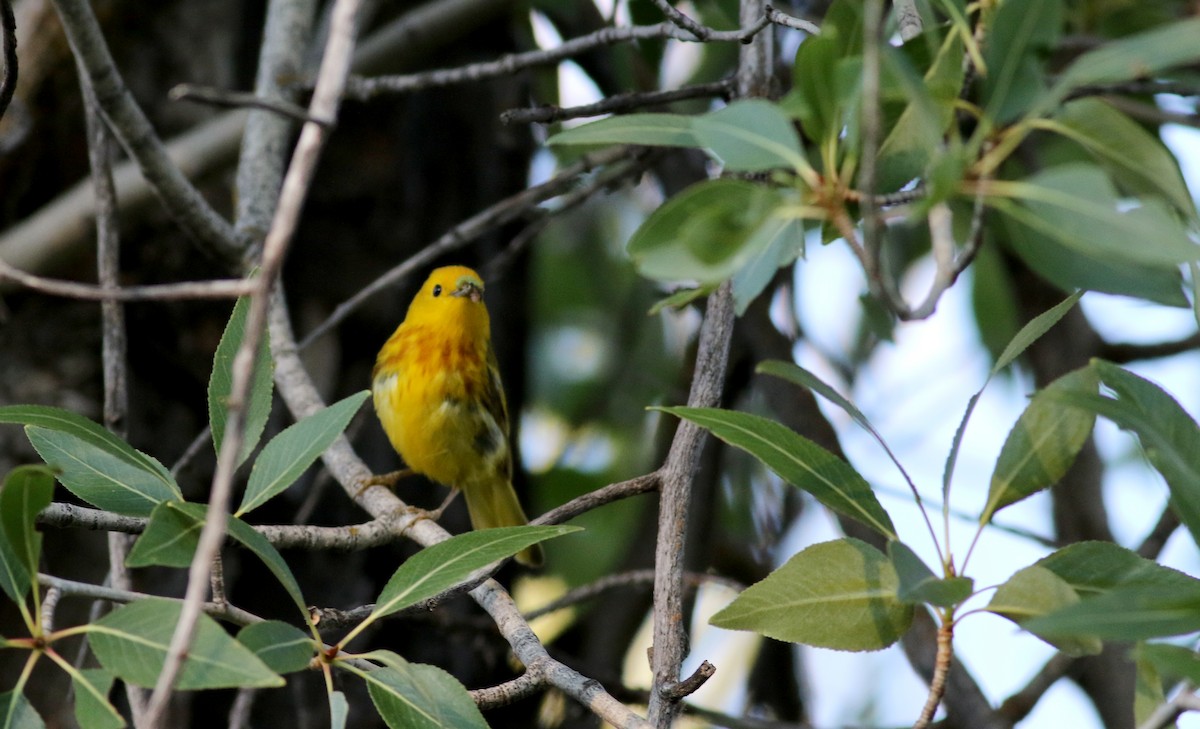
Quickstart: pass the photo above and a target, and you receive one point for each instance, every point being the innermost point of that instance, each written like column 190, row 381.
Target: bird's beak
column 469, row 290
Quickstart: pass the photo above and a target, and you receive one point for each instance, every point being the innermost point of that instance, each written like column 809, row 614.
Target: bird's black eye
column 437, row 290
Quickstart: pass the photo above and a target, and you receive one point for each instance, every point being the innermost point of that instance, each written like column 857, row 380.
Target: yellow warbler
column 438, row 395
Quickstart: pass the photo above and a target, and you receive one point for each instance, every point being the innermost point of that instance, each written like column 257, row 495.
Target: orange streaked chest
column 424, row 380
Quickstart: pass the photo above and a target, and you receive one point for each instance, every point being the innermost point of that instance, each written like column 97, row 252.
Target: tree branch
column 335, row 66
column 548, row 113
column 683, row 459
column 219, row 289
column 498, row 214
column 189, row 209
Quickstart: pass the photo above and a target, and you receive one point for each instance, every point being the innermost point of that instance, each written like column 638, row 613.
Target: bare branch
column 685, row 22
column 500, row 213
column 908, row 19
column 242, row 100
column 287, row 33
column 523, row 686
column 186, row 205
column 335, row 66
column 549, row 113
column 71, row 588
column 683, row 459
column 599, row 497
column 219, row 289
column 778, row 17
column 368, row 88
column 624, row 579
column 691, row 684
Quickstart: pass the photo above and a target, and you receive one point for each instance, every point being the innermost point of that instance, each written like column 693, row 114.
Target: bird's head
column 451, row 293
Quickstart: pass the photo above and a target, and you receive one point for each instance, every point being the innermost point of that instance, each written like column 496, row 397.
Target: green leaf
column 249, row 538
column 220, row 383
column 1020, row 31
column 1035, row 591
column 753, row 135
column 918, row 583
column 132, row 642
column 83, row 429
column 1070, row 269
column 1173, row 661
column 705, row 232
column 14, row 577
column 916, row 137
column 281, row 647
column 169, row 540
column 797, row 460
column 840, row 595
column 18, row 712
column 339, row 710
column 1138, row 56
column 1124, row 596
column 797, row 375
column 27, row 490
column 778, row 242
column 1034, row 330
column 1137, row 159
column 1094, row 568
column 92, row 708
column 417, row 696
column 99, row 476
column 1147, row 690
column 1076, row 205
column 1042, row 444
column 654, row 130
column 1126, row 613
column 290, row 453
column 171, row 537
column 445, row 564
column 1169, row 436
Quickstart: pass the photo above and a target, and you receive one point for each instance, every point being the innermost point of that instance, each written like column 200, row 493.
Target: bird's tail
column 496, row 505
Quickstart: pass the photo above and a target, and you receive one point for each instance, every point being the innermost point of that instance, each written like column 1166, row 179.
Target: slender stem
column 331, row 80
column 937, row 685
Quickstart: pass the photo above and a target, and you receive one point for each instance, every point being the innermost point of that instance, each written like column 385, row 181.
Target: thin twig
column 549, row 113
column 335, row 66
column 778, row 17
column 71, row 588
column 685, row 22
column 689, row 685
column 217, row 289
column 498, row 214
column 367, row 88
column 683, row 459
column 242, row 99
column 243, row 703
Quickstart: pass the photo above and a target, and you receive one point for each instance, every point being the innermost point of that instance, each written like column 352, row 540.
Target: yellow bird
column 438, row 395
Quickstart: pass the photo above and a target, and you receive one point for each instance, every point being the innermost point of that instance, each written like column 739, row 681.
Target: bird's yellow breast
column 424, row 385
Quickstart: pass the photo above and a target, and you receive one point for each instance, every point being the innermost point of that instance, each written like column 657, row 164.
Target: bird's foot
column 434, row 515
column 386, row 480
